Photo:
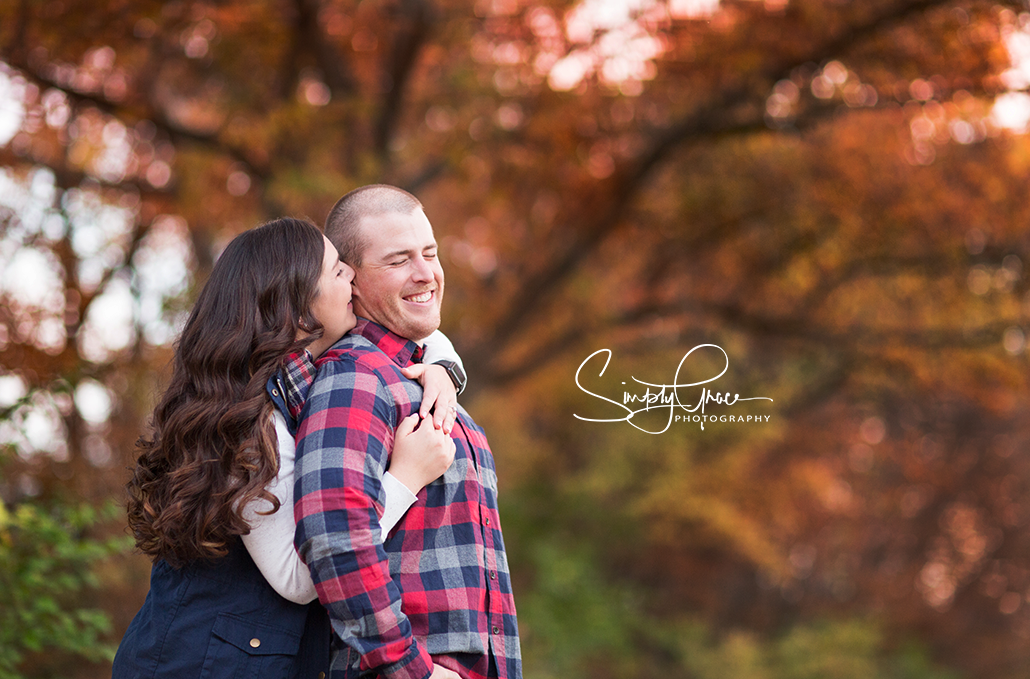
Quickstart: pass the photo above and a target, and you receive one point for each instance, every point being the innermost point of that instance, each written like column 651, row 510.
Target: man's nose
column 421, row 272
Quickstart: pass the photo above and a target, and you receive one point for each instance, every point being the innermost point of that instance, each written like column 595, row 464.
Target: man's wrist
column 419, row 666
column 454, row 371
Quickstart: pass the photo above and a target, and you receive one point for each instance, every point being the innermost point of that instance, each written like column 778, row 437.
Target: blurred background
column 832, row 191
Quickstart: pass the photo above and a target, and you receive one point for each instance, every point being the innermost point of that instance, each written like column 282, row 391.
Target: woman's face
column 332, row 307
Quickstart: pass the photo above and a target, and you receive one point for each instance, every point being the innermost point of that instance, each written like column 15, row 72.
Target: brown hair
column 342, row 224
column 213, row 445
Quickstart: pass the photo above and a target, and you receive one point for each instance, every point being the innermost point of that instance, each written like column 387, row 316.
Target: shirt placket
column 496, row 597
column 487, row 519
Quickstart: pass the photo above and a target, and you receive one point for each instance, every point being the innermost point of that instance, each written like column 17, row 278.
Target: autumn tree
column 831, row 193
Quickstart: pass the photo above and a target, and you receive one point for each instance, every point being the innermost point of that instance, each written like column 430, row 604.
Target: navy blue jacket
column 220, row 619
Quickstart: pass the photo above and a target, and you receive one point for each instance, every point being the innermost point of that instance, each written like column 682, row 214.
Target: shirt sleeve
column 439, row 348
column 270, row 541
column 346, row 433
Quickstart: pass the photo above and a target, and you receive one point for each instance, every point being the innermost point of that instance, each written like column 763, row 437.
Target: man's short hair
column 342, row 226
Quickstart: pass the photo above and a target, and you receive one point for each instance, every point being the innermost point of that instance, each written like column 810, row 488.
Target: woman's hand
column 438, row 391
column 420, row 456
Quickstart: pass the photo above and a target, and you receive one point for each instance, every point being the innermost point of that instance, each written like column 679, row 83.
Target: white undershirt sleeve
column 398, row 500
column 439, row 348
column 270, row 541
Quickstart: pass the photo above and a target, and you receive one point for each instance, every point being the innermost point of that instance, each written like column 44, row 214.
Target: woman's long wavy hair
column 213, row 445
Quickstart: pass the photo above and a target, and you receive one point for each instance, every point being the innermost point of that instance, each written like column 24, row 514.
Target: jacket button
column 321, row 675
column 255, row 642
column 275, row 392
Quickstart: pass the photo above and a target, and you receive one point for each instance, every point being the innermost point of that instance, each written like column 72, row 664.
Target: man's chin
column 417, row 330
column 420, row 333
column 414, row 328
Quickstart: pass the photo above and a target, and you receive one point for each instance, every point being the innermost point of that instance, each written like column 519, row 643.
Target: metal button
column 321, row 675
column 275, row 392
column 255, row 642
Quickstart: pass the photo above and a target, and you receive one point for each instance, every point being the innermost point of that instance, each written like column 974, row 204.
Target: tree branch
column 806, row 329
column 65, row 176
column 412, row 33
column 712, row 119
column 176, row 133
column 331, row 62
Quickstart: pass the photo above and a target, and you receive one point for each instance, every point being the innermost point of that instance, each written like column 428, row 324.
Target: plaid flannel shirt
column 437, row 589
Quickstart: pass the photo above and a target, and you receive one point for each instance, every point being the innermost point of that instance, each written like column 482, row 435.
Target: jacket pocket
column 243, row 649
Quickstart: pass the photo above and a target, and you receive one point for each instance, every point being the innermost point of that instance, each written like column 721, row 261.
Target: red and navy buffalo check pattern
column 437, row 589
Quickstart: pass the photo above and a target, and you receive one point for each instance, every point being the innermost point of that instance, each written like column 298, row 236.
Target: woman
column 212, row 470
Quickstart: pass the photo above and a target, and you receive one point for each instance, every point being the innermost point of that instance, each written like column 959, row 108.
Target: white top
column 270, row 541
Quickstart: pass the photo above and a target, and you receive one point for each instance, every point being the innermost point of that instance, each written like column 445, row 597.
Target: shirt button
column 496, row 629
column 488, row 520
column 255, row 642
column 493, row 575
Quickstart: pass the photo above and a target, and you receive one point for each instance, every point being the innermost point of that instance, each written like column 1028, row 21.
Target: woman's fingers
column 450, row 416
column 407, row 425
column 439, row 395
column 413, row 371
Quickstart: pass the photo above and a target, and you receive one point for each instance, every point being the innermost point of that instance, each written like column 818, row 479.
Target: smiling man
column 433, row 598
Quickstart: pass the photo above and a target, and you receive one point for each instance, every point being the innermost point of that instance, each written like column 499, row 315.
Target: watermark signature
column 670, row 397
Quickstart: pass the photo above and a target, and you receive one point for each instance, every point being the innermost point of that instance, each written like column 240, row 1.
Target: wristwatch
column 456, row 374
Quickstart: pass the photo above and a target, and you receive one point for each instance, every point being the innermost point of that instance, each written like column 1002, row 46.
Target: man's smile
column 420, row 297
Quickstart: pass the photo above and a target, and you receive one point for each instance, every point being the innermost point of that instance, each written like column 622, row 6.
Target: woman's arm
column 270, row 541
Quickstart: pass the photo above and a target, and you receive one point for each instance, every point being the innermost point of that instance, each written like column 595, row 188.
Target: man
column 433, row 598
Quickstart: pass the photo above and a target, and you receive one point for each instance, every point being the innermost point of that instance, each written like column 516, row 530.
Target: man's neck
column 421, row 342
column 400, row 349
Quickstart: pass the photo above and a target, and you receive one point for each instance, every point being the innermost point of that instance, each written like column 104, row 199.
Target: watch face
column 456, row 374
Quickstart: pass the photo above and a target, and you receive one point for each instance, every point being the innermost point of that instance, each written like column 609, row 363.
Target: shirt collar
column 299, row 369
column 297, row 375
column 401, row 351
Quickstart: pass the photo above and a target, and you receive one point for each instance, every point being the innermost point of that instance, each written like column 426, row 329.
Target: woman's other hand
column 420, row 456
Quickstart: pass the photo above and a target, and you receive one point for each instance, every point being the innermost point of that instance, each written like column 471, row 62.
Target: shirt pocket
column 242, row 649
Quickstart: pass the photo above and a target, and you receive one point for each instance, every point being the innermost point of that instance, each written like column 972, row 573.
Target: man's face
column 400, row 281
